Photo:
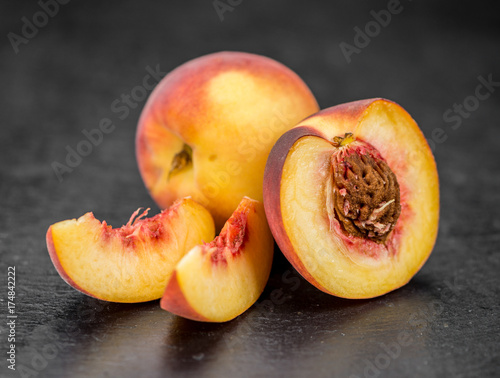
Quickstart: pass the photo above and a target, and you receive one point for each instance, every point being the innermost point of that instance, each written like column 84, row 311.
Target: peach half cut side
column 352, row 198
column 217, row 281
column 132, row 263
column 209, row 125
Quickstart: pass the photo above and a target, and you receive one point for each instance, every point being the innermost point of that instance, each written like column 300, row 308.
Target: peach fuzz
column 352, row 198
column 209, row 125
column 132, row 263
column 217, row 281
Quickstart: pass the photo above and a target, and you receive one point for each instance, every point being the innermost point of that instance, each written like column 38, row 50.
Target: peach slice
column 217, row 281
column 209, row 125
column 352, row 198
column 132, row 263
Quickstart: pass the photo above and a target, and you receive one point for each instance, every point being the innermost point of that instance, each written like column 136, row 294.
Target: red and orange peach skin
column 221, row 113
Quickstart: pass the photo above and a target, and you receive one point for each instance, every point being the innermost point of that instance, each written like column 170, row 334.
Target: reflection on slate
column 67, row 72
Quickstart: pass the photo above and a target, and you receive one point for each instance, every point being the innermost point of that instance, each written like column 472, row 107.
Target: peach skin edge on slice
column 217, row 281
column 128, row 264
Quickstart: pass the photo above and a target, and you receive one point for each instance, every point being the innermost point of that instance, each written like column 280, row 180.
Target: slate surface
column 64, row 80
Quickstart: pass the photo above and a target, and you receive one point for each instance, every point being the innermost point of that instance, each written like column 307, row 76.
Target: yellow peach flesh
column 367, row 269
column 220, row 284
column 100, row 262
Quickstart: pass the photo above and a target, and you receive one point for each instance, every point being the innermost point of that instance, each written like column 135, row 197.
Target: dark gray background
column 65, row 79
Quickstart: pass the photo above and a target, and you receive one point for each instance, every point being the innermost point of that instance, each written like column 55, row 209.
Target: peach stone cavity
column 366, row 196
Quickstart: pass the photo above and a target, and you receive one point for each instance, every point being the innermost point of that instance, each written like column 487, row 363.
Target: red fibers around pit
column 232, row 237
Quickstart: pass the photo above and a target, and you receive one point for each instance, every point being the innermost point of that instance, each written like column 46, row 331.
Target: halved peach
column 217, row 281
column 132, row 263
column 352, row 198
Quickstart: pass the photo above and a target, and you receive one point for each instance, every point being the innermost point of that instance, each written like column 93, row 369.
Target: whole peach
column 209, row 125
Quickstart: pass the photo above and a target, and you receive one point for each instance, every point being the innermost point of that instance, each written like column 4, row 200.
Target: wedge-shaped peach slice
column 217, row 281
column 132, row 263
column 352, row 198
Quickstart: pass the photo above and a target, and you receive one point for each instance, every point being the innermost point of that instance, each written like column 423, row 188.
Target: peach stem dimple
column 181, row 160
